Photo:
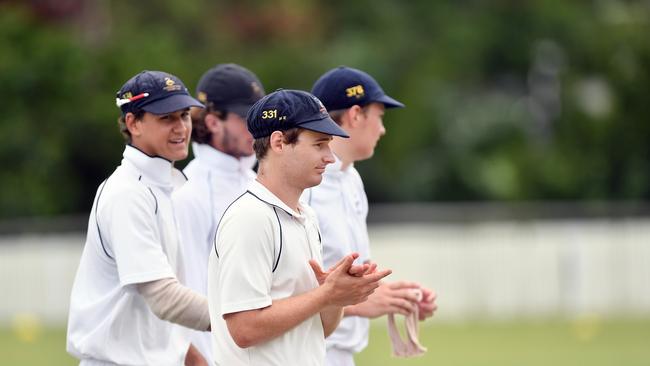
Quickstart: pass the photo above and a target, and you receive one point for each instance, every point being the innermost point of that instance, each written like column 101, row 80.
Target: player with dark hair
column 220, row 171
column 270, row 302
column 127, row 302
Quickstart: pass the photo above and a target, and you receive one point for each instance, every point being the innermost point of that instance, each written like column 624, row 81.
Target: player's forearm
column 330, row 318
column 171, row 301
column 249, row 328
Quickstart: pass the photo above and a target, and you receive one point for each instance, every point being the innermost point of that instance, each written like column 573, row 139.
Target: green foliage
column 506, row 100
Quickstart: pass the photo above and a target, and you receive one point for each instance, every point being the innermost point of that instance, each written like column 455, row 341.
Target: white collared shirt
column 131, row 239
column 341, row 205
column 215, row 179
column 261, row 254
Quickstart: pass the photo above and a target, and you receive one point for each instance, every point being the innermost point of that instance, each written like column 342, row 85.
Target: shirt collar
column 216, row 159
column 261, row 192
column 154, row 169
column 336, row 167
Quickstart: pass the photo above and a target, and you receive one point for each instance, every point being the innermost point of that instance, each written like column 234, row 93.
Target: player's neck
column 341, row 148
column 282, row 189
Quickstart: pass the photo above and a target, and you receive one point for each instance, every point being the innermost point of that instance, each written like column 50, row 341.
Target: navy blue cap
column 343, row 87
column 285, row 109
column 230, row 88
column 155, row 92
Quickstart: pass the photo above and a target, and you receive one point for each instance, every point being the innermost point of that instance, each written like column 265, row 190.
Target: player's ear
column 212, row 123
column 276, row 141
column 355, row 116
column 132, row 124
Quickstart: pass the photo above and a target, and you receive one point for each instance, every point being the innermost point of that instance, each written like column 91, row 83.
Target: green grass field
column 588, row 342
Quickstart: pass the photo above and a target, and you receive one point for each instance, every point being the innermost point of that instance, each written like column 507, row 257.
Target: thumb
column 315, row 266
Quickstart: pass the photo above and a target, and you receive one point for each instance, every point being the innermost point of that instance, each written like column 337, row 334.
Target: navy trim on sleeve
column 155, row 199
column 214, row 240
column 277, row 261
column 99, row 232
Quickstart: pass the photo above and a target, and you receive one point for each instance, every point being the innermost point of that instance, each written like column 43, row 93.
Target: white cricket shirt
column 341, row 204
column 262, row 253
column 215, row 180
column 132, row 238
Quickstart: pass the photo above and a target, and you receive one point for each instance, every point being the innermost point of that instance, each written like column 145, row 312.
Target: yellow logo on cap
column 257, row 91
column 127, row 95
column 171, row 85
column 203, row 97
column 355, row 91
column 271, row 113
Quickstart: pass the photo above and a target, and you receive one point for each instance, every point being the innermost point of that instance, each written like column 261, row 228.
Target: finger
column 427, row 294
column 375, row 277
column 425, row 314
column 358, row 270
column 428, row 307
column 409, row 294
column 315, row 266
column 432, row 296
column 372, row 268
column 403, row 284
column 337, row 264
column 398, row 310
column 346, row 263
column 404, row 305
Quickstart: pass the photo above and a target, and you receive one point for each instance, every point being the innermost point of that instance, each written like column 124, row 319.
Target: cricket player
column 126, row 295
column 356, row 103
column 220, row 171
column 270, row 302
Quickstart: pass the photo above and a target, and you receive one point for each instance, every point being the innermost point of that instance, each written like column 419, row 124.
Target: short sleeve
column 245, row 247
column 133, row 235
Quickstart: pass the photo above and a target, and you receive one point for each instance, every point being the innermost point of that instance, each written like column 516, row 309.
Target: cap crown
column 286, row 109
column 229, row 84
column 151, row 86
column 344, row 87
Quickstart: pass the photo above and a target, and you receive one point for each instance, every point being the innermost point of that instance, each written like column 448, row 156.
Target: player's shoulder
column 123, row 188
column 250, row 206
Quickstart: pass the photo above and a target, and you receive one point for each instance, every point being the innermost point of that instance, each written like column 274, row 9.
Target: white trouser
column 338, row 357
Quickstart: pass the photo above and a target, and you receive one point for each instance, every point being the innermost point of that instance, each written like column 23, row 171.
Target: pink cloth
column 412, row 346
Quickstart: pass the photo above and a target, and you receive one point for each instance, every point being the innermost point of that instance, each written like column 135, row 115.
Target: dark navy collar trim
column 269, row 203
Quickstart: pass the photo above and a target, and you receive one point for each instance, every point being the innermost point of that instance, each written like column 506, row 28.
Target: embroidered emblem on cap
column 170, row 85
column 257, row 90
column 203, row 97
column 270, row 113
column 355, row 91
column 321, row 106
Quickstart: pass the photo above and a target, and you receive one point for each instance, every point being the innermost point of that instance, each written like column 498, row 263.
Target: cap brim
column 172, row 103
column 326, row 126
column 389, row 102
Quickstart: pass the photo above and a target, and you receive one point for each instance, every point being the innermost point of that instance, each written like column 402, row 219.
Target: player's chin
column 178, row 151
column 246, row 151
column 315, row 180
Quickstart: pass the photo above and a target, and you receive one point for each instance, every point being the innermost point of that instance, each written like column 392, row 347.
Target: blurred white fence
column 495, row 270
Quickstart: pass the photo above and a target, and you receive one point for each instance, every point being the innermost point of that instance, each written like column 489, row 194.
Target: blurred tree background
column 507, row 100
